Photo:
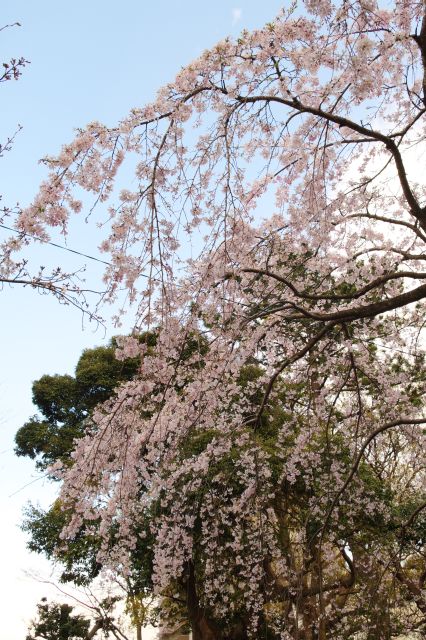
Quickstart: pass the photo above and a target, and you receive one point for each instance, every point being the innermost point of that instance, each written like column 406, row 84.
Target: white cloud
column 236, row 15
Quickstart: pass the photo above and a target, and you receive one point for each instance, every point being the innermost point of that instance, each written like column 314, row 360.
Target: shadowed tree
column 57, row 622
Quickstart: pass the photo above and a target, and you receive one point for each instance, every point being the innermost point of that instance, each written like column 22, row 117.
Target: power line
column 54, row 244
column 45, row 475
column 61, row 246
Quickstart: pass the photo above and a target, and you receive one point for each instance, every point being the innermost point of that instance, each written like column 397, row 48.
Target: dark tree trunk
column 202, row 627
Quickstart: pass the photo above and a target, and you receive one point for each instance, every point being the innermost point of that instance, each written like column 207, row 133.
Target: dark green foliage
column 65, row 404
column 56, row 622
column 78, row 558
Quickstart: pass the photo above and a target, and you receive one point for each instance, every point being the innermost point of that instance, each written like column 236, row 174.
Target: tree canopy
column 65, row 404
column 56, row 621
column 292, row 504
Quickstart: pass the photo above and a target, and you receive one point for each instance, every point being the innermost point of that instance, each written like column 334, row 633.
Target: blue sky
column 91, row 60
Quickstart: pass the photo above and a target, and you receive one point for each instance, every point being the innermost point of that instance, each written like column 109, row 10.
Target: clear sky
column 90, row 60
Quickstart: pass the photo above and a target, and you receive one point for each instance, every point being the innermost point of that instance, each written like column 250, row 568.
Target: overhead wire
column 60, row 246
column 45, row 475
column 55, row 244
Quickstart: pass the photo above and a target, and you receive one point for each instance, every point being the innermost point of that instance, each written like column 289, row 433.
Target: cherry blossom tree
column 278, row 212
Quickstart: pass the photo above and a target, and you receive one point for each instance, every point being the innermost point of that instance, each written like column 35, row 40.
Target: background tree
column 315, row 120
column 57, row 622
column 66, row 403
